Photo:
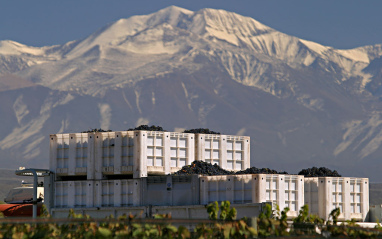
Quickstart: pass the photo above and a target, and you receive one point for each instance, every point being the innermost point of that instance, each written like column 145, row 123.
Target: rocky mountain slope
column 302, row 103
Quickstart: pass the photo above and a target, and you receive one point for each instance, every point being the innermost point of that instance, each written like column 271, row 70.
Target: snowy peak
column 123, row 30
column 15, row 48
column 221, row 21
column 127, row 49
column 357, row 54
column 157, row 33
column 206, row 23
column 137, row 33
column 176, row 36
column 172, row 15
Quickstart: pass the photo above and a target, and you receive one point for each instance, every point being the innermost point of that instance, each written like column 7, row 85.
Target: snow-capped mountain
column 302, row 103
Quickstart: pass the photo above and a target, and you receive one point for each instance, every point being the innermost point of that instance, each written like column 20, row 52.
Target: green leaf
column 137, row 232
column 226, row 232
column 153, row 232
column 213, row 210
column 252, row 230
column 104, row 232
column 172, row 228
column 184, row 232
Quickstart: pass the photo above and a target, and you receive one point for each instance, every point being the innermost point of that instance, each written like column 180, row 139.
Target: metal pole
column 34, row 172
column 35, row 181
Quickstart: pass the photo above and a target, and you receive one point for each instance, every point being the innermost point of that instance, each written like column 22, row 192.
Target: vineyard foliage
column 270, row 223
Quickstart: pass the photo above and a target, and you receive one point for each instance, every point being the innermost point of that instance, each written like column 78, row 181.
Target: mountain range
column 302, row 103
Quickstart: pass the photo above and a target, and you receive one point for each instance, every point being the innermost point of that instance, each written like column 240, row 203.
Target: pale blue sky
column 337, row 23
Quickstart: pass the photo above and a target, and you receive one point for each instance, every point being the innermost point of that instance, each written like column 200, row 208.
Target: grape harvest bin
column 171, row 190
column 72, row 154
column 229, row 152
column 350, row 195
column 154, row 190
column 279, row 189
column 98, row 193
column 375, row 213
column 138, row 153
column 142, row 153
column 162, row 152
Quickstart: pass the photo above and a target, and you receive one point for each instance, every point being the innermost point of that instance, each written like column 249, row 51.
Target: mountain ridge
column 301, row 102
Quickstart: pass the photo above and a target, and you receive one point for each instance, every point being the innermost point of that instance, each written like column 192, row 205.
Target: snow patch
column 366, row 78
column 23, row 133
column 372, row 146
column 355, row 132
column 308, row 60
column 105, row 113
column 355, row 55
column 320, row 49
column 137, row 94
column 232, row 23
column 282, row 138
column 185, row 90
column 203, row 112
column 64, row 126
column 127, row 102
column 15, row 48
column 152, row 41
column 20, row 109
column 153, row 97
column 186, row 95
column 32, row 150
column 310, row 103
column 241, row 131
column 50, row 103
column 230, row 38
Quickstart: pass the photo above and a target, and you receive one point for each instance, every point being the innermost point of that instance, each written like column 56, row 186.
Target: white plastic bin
column 375, row 213
column 311, row 194
column 234, row 188
column 138, row 153
column 72, row 154
column 182, row 150
column 61, row 194
column 99, row 193
column 143, row 153
column 160, row 153
column 73, row 194
column 229, row 152
column 150, row 155
column 117, row 193
column 171, row 190
column 279, row 189
column 114, row 153
column 351, row 195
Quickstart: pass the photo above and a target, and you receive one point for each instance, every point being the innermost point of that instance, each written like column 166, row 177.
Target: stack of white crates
column 143, row 153
column 137, row 153
column 97, row 193
column 229, row 152
column 108, row 169
column 279, row 189
column 350, row 195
